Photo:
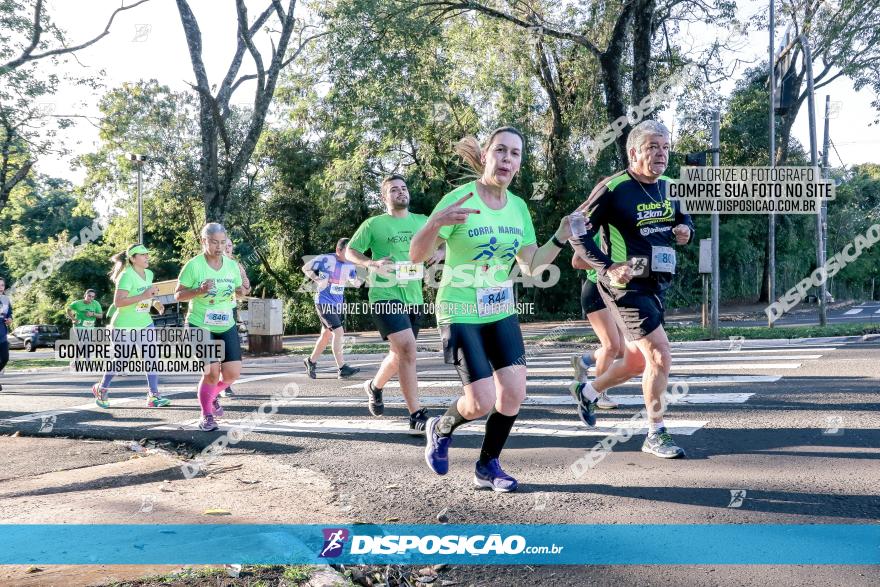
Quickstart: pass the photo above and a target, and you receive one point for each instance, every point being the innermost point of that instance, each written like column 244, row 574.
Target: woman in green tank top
column 486, row 229
column 133, row 301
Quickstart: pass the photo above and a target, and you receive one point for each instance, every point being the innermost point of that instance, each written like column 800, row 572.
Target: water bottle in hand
column 578, row 224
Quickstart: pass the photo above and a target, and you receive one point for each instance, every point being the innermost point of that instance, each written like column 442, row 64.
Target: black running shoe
column 417, row 422
column 347, row 371
column 586, row 408
column 310, row 367
column 374, row 397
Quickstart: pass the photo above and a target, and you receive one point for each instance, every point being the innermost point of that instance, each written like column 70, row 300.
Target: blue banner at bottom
column 825, row 544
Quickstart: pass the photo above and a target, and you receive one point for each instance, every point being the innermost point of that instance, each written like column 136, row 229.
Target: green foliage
column 390, row 89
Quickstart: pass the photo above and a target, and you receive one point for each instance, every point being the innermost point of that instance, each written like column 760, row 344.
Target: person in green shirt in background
column 86, row 311
column 210, row 282
column 133, row 299
column 475, row 306
column 395, row 294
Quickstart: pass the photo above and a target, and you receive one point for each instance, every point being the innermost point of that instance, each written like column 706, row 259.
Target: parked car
column 30, row 337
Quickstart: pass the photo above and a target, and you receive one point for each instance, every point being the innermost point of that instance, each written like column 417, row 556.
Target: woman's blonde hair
column 120, row 261
column 470, row 150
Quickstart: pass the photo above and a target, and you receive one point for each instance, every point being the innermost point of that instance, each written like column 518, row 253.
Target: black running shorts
column 231, row 343
column 329, row 319
column 392, row 316
column 478, row 350
column 591, row 299
column 638, row 313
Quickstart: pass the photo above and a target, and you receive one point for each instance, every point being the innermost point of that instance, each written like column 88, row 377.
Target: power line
column 839, row 158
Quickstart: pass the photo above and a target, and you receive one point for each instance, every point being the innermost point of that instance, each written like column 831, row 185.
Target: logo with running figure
column 653, row 212
column 334, row 540
column 492, row 248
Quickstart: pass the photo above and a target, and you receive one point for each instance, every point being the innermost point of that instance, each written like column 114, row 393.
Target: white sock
column 588, row 393
column 655, row 426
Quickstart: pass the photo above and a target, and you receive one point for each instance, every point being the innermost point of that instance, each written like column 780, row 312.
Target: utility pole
column 771, row 223
column 814, row 162
column 823, row 207
column 139, row 161
column 716, row 279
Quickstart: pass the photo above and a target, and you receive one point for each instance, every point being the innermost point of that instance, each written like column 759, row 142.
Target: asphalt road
column 775, row 433
column 861, row 312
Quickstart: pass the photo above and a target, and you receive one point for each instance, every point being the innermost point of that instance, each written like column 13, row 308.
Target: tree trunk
column 642, row 34
column 557, row 148
column 610, row 63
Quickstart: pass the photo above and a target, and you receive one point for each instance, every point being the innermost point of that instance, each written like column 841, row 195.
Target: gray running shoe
column 660, row 444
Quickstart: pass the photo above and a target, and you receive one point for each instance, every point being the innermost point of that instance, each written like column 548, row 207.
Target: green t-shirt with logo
column 476, row 288
column 135, row 315
column 388, row 236
column 212, row 310
column 80, row 307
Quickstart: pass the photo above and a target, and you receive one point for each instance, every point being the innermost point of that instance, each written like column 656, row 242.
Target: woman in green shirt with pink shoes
column 486, row 228
column 209, row 282
column 133, row 299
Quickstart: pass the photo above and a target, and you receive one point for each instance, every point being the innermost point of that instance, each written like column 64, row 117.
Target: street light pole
column 139, row 161
column 771, row 228
column 814, row 162
column 716, row 277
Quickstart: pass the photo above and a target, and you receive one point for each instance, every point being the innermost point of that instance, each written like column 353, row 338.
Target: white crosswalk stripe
column 559, row 383
column 531, row 400
column 853, row 312
column 726, row 353
column 712, row 365
column 387, row 426
column 116, row 402
column 732, row 357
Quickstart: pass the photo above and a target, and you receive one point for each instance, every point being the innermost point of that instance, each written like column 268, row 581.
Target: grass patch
column 15, row 364
column 297, row 573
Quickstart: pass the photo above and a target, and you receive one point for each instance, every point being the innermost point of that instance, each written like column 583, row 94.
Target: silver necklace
column 650, row 197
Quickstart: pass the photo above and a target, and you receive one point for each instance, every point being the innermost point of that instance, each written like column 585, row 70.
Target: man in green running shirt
column 86, row 311
column 395, row 293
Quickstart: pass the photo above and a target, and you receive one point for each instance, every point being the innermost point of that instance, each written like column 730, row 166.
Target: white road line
column 552, row 363
column 372, row 426
column 749, row 351
column 721, row 352
column 689, row 379
column 878, row 311
column 853, row 312
column 675, row 368
column 91, row 406
column 531, row 400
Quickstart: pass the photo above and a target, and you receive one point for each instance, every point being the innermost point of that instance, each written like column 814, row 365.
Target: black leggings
column 4, row 354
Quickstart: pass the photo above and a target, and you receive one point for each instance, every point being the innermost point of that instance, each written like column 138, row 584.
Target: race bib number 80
column 663, row 259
